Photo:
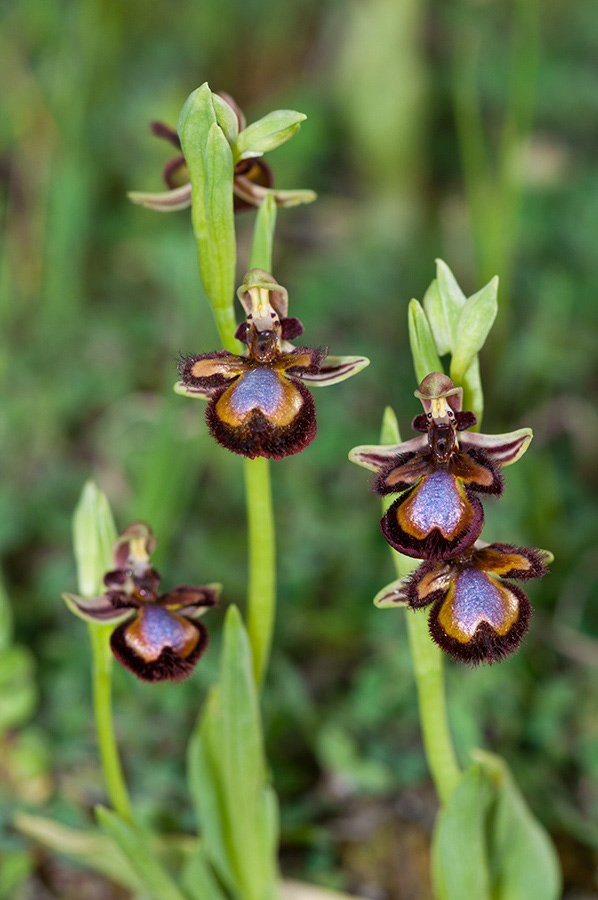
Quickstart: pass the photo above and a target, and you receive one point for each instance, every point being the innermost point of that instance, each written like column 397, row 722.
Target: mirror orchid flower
column 253, row 178
column 476, row 616
column 437, row 515
column 157, row 635
column 259, row 404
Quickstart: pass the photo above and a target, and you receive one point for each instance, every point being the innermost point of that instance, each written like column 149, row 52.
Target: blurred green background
column 462, row 129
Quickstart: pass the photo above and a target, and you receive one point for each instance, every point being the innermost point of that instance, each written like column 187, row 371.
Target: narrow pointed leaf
column 228, row 751
column 523, row 862
column 207, row 795
column 476, row 320
column 137, row 847
column 268, row 133
column 88, row 847
column 198, row 878
column 421, row 340
column 459, row 853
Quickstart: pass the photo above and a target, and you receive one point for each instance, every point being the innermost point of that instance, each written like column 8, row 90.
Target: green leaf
column 459, row 853
column 6, row 623
column 268, row 133
column 421, row 339
column 17, row 865
column 476, row 320
column 227, row 775
column 487, row 844
column 18, row 692
column 198, row 879
column 440, row 319
column 89, row 847
column 523, row 861
column 94, row 534
column 452, row 299
column 138, row 848
column 210, row 163
column 205, row 788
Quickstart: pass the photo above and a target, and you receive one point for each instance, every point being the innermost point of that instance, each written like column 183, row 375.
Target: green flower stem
column 427, row 669
column 261, row 595
column 429, row 677
column 94, row 533
column 102, row 704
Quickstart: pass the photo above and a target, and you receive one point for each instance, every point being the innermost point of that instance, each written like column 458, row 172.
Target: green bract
column 267, row 133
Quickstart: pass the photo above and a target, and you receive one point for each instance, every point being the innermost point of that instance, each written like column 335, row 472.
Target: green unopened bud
column 439, row 318
column 476, row 320
column 268, row 133
column 452, row 300
column 94, row 534
column 421, row 339
column 226, row 118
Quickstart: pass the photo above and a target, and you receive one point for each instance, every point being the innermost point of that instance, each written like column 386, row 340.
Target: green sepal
column 138, row 848
column 236, row 806
column 210, row 163
column 476, row 320
column 423, row 347
column 94, row 535
column 267, row 133
column 389, row 597
column 488, row 845
column 88, row 847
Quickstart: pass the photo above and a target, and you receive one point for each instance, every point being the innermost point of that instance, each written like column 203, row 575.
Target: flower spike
column 258, row 404
column 252, row 177
column 157, row 636
column 437, row 474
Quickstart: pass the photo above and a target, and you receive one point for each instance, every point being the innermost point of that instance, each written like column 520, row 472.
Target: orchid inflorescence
column 476, row 616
